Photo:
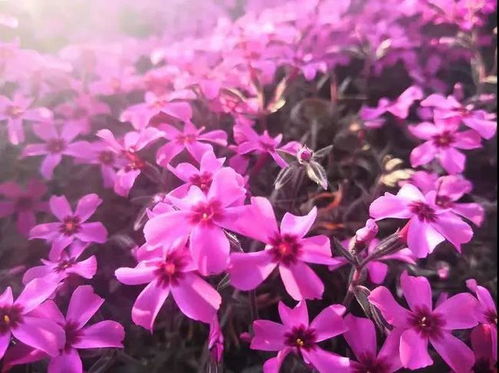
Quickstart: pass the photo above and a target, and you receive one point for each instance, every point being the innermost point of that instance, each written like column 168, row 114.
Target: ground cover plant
column 246, row 186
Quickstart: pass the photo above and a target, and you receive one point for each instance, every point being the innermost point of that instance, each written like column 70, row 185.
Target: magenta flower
column 201, row 217
column 130, row 162
column 16, row 319
column 484, row 336
column 361, row 337
column 297, row 335
column 449, row 190
column 170, row 271
column 100, row 153
column 24, row 203
column 428, row 225
column 141, row 114
column 372, row 116
column 190, row 175
column 16, row 111
column 191, row 138
column 57, row 143
column 84, row 303
column 286, row 248
column 251, row 142
column 422, row 323
column 442, row 141
column 71, row 226
column 448, row 107
column 65, row 266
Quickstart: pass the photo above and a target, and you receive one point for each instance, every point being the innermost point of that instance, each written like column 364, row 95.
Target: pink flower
column 449, row 108
column 250, row 141
column 101, row 154
column 130, row 162
column 484, row 336
column 361, row 337
column 422, row 323
column 297, row 335
column 65, row 266
column 399, row 107
column 202, row 177
column 201, row 217
column 16, row 111
column 285, row 248
column 170, row 271
column 57, row 143
column 84, row 303
column 16, row 319
column 141, row 114
column 428, row 225
column 24, row 203
column 442, row 141
column 191, row 138
column 71, row 226
column 449, row 190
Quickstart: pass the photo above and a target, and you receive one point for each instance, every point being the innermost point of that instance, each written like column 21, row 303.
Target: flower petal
column 42, row 334
column 60, row 207
column 106, row 333
column 360, row 336
column 326, row 362
column 248, row 270
column 87, row 206
column 417, row 291
column 92, row 232
column 209, row 248
column 298, row 225
column 68, row 362
column 301, row 282
column 148, row 304
column 454, row 352
column 84, row 303
column 414, row 350
column 269, row 336
column 393, row 312
column 459, row 311
column 196, row 298
column 34, row 293
column 328, row 324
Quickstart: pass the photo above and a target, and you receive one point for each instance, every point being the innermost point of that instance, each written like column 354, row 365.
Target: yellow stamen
column 6, row 319
column 299, row 342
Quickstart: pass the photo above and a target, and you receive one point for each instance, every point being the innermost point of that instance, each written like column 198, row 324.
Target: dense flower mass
column 182, row 184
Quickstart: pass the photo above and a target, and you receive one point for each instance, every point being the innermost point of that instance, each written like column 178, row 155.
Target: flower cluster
column 183, row 176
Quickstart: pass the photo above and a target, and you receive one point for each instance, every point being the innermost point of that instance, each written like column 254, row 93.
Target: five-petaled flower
column 168, row 271
column 286, row 248
column 429, row 223
column 71, row 225
column 297, row 335
column 422, row 323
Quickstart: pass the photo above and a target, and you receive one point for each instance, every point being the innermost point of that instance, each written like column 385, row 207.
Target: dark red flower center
column 24, row 203
column 370, row 364
column 203, row 181
column 10, row 317
column 300, row 337
column 70, row 225
column 106, row 157
column 427, row 323
column 134, row 161
column 206, row 213
column 14, row 111
column 73, row 334
column 170, row 271
column 285, row 249
column 444, row 139
column 423, row 211
column 186, row 138
column 56, row 145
